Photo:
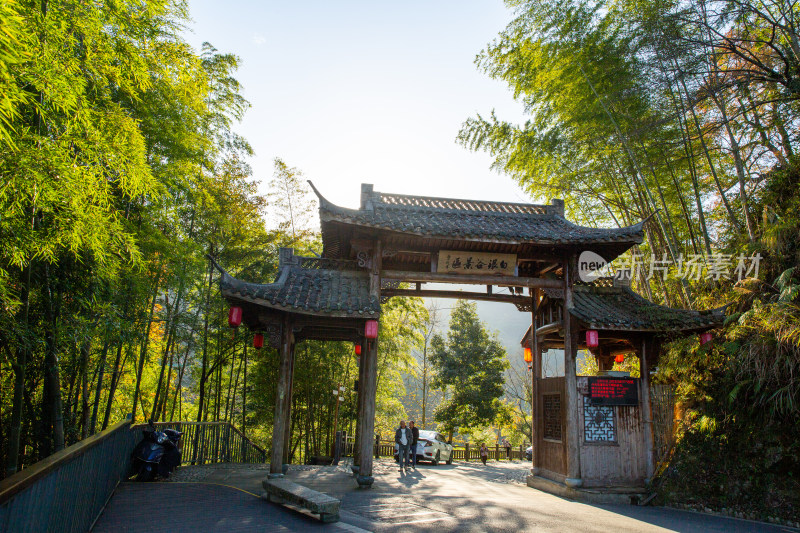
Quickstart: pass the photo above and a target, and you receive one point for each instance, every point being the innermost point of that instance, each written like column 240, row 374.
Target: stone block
column 285, row 491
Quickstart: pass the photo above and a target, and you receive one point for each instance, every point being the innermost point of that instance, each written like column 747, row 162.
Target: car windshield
column 429, row 435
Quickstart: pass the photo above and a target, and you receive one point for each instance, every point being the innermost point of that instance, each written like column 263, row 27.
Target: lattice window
column 552, row 416
column 598, row 422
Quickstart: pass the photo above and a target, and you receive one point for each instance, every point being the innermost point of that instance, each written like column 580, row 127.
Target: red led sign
column 613, row 391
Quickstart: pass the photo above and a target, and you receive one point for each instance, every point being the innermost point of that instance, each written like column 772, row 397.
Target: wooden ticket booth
column 593, row 435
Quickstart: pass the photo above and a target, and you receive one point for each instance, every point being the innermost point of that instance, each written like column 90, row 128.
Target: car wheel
column 449, row 459
column 437, row 458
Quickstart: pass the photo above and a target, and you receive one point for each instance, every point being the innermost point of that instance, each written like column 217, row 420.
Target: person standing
column 507, row 446
column 403, row 437
column 414, row 440
column 484, row 453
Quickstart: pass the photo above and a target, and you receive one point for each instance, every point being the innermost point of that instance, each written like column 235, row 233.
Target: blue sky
column 373, row 92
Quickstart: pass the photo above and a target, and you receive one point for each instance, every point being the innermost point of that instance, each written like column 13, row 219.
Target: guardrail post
column 337, row 447
column 227, row 443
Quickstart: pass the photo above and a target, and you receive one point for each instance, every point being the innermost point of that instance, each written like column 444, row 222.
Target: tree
column 470, row 364
column 293, row 206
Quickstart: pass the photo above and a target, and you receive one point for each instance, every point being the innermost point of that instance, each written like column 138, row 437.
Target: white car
column 432, row 447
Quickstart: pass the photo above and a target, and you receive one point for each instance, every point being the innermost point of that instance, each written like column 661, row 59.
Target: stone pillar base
column 573, row 483
column 365, row 482
column 274, row 476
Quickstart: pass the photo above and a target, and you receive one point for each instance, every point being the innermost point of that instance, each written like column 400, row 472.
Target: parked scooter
column 157, row 454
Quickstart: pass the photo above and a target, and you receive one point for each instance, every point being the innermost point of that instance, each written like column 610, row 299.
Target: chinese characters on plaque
column 452, row 262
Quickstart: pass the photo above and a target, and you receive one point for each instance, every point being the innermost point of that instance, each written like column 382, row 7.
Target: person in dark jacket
column 414, row 440
column 403, row 438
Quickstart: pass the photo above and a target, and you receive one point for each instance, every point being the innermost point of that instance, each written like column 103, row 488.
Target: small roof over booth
column 621, row 315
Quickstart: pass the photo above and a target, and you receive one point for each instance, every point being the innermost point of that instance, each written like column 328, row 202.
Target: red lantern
column 527, row 355
column 371, row 329
column 705, row 337
column 620, row 358
column 592, row 338
column 258, row 340
column 234, row 317
column 358, row 349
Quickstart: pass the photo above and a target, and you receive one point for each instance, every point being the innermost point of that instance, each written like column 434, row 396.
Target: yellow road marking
column 217, row 484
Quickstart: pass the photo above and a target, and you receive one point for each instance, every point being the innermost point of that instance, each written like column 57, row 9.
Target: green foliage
column 292, row 204
column 470, row 364
column 685, row 110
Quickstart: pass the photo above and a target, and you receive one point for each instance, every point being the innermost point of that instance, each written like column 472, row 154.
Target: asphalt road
column 470, row 497
column 464, row 497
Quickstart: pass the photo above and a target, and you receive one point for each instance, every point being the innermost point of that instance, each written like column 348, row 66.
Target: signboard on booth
column 452, row 262
column 613, row 391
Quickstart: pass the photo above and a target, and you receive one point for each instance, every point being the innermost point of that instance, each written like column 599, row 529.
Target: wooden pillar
column 359, row 409
column 647, row 416
column 573, row 478
column 370, row 383
column 366, row 441
column 284, row 385
column 536, row 375
column 287, row 434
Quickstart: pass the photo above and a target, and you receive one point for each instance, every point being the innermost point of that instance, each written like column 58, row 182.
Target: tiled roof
column 308, row 286
column 473, row 220
column 621, row 309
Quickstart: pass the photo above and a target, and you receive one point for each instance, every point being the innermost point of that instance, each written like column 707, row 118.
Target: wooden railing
column 462, row 453
column 214, row 442
column 67, row 491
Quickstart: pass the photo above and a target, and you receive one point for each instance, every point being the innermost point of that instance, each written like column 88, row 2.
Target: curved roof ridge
column 462, row 204
column 635, row 228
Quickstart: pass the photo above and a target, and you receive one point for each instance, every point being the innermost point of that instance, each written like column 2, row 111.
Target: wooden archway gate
column 392, row 245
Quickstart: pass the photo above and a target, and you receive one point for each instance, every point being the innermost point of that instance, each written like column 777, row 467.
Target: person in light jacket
column 403, row 437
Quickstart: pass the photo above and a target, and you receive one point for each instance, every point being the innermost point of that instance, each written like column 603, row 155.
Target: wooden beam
column 548, row 328
column 549, row 268
column 438, row 277
column 466, row 295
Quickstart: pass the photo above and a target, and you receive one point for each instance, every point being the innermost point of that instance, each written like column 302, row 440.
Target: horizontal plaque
column 451, row 262
column 613, row 391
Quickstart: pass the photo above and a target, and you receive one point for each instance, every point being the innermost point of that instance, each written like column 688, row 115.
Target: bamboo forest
column 125, row 177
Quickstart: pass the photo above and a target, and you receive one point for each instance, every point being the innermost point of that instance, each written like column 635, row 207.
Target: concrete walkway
column 459, row 497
